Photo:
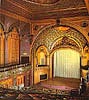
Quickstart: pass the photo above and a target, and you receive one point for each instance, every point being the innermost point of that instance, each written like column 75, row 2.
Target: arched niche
column 2, row 41
column 42, row 55
column 13, row 46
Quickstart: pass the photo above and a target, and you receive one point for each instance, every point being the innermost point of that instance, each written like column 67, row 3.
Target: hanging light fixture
column 61, row 27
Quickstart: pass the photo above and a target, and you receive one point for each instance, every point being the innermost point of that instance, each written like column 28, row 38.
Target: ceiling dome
column 44, row 1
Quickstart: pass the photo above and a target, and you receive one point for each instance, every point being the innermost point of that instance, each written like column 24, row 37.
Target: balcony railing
column 12, row 71
column 11, row 67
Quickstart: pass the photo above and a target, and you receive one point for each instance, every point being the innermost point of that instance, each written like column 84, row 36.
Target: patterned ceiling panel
column 41, row 9
column 61, row 4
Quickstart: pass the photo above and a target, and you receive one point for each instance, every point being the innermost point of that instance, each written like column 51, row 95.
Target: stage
column 61, row 83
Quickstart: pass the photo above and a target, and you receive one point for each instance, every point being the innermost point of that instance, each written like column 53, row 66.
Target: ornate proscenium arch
column 67, row 35
column 52, row 38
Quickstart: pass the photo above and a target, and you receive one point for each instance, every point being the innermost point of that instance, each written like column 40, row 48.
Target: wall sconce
column 24, row 53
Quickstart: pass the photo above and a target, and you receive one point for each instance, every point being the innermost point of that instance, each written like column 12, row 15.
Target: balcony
column 12, row 71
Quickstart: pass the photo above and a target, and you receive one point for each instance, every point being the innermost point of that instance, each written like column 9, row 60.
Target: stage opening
column 66, row 63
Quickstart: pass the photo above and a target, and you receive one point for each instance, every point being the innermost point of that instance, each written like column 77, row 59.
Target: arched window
column 1, row 45
column 13, row 46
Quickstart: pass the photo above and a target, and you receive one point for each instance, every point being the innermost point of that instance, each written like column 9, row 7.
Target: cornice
column 15, row 16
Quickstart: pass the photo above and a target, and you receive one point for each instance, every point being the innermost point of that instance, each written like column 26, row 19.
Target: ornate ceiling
column 43, row 1
column 46, row 9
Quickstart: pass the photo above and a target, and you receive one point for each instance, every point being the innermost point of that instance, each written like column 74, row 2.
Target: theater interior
column 44, row 49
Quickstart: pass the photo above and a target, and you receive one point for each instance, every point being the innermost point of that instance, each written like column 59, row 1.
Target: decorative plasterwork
column 51, row 34
column 43, row 1
column 66, row 42
column 43, row 9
